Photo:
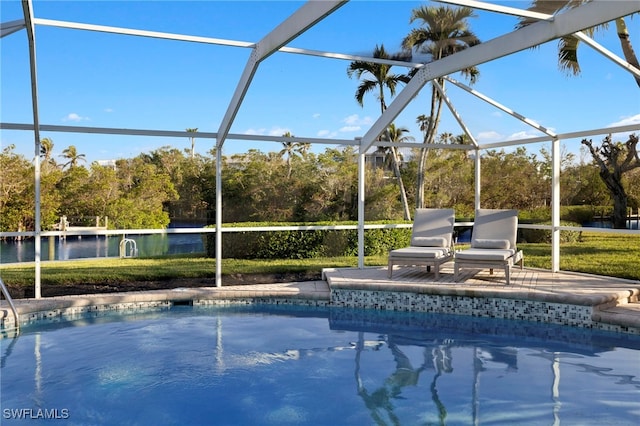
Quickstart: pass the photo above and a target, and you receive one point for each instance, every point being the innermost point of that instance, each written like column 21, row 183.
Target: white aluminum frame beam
column 544, row 17
column 206, row 40
column 11, row 27
column 501, row 107
column 172, row 133
column 587, row 15
column 453, row 110
column 27, row 9
column 301, row 20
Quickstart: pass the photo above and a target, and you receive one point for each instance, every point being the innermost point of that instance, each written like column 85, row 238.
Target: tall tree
column 192, row 139
column 443, row 32
column 568, row 45
column 397, row 135
column 72, row 155
column 614, row 159
column 46, row 151
column 291, row 149
column 378, row 77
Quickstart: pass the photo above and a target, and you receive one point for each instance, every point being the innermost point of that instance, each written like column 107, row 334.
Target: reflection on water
column 53, row 248
column 291, row 365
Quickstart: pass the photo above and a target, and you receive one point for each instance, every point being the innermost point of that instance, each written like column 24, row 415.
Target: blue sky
column 105, row 80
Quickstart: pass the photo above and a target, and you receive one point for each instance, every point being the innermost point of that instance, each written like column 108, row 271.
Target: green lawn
column 596, row 253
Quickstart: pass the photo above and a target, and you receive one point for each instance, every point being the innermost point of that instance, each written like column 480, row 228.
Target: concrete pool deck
column 603, row 302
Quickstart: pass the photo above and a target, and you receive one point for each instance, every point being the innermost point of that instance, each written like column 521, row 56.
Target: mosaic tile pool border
column 54, row 315
column 489, row 307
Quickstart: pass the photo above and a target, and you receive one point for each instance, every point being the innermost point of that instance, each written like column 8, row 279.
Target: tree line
column 290, row 185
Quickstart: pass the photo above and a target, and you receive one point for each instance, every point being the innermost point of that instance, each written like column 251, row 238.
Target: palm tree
column 46, row 149
column 397, row 135
column 193, row 141
column 290, row 149
column 378, row 78
column 72, row 155
column 568, row 45
column 443, row 32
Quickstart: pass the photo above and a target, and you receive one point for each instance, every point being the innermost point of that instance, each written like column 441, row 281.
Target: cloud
column 255, row 132
column 625, row 121
column 355, row 120
column 108, row 110
column 489, row 136
column 327, row 134
column 522, row 135
column 279, row 131
column 354, row 123
column 316, row 115
column 275, row 131
column 72, row 116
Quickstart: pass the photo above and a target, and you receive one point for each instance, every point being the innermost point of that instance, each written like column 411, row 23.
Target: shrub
column 544, row 235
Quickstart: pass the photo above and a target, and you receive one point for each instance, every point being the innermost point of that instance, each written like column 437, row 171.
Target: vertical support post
column 555, row 205
column 361, row 196
column 219, row 215
column 478, row 180
column 27, row 10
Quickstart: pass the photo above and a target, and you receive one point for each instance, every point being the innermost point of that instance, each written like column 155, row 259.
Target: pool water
column 273, row 365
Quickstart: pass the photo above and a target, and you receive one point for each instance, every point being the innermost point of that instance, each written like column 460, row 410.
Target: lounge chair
column 493, row 243
column 431, row 241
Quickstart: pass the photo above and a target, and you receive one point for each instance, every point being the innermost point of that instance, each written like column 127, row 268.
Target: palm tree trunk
column 403, row 192
column 420, row 178
column 432, row 128
column 625, row 43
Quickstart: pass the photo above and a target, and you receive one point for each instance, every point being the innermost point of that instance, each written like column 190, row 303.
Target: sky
column 118, row 81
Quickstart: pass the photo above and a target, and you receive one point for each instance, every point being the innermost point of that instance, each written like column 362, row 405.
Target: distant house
column 107, row 163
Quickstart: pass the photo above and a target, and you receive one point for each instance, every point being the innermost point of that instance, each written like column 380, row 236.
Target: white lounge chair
column 431, row 241
column 493, row 243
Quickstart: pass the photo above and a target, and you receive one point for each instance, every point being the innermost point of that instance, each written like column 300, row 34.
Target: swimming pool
column 266, row 364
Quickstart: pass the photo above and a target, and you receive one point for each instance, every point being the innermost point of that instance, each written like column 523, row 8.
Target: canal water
column 101, row 246
column 147, row 245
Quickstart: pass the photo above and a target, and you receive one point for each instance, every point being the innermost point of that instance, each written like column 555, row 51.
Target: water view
column 101, row 246
column 275, row 365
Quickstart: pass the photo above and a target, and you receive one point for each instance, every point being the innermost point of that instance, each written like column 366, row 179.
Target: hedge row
column 330, row 243
column 306, row 244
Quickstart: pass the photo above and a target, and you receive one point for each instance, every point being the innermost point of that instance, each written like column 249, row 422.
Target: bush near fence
column 334, row 243
column 306, row 244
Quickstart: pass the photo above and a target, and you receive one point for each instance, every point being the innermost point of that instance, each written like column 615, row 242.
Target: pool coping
column 610, row 303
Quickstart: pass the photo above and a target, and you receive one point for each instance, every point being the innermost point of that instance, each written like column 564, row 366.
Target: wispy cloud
column 327, row 134
column 490, row 136
column 274, row 131
column 625, row 121
column 72, row 116
column 354, row 123
column 316, row 115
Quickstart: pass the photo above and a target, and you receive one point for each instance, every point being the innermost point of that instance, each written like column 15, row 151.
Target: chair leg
column 437, row 271
column 455, row 272
column 490, row 271
column 507, row 274
column 390, row 269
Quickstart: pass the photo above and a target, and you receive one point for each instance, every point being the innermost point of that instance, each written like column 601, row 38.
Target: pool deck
column 614, row 301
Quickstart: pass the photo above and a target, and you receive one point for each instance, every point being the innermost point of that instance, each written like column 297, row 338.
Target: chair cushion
column 429, row 242
column 478, row 254
column 486, row 243
column 419, row 252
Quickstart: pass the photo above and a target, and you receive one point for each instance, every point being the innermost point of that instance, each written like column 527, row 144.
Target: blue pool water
column 269, row 365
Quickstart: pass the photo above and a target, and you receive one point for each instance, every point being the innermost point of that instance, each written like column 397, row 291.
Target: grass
column 114, row 270
column 596, row 253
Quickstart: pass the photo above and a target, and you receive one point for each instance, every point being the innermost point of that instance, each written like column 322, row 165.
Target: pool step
column 626, row 315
